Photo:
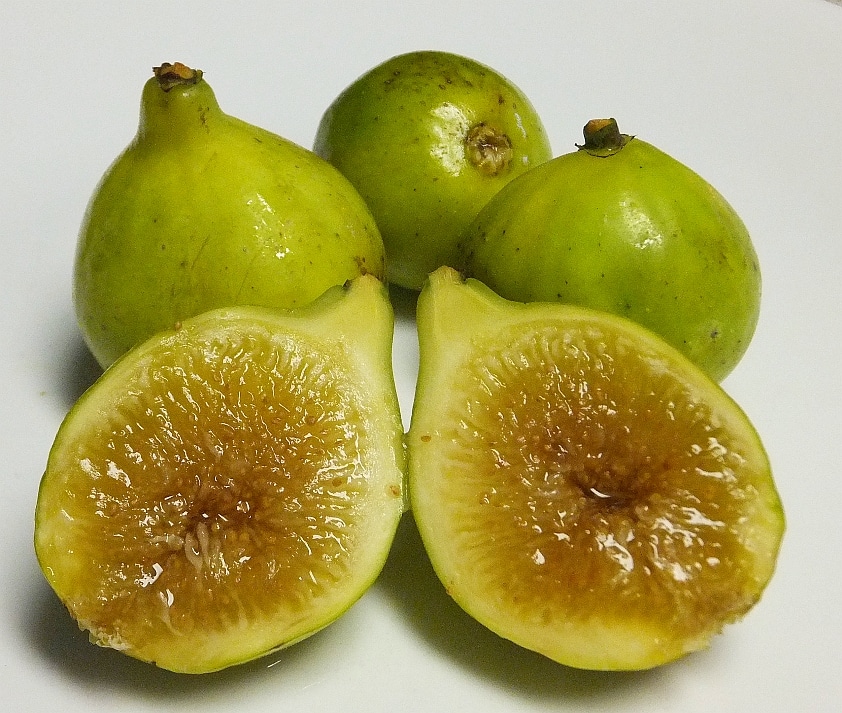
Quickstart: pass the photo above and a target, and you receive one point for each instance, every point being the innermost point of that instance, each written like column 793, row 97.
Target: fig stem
column 603, row 137
column 175, row 75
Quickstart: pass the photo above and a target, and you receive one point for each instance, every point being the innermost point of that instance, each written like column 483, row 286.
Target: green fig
column 427, row 138
column 623, row 227
column 203, row 210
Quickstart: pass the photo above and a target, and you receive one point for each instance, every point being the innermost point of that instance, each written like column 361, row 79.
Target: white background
column 746, row 92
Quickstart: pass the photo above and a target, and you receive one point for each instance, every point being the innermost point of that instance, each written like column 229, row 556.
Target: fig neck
column 178, row 104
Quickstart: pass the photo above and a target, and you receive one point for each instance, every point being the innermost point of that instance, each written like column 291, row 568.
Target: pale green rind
column 351, row 324
column 457, row 319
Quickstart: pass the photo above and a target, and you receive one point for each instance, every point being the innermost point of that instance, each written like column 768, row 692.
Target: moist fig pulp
column 203, row 210
column 621, row 226
column 230, row 487
column 427, row 138
column 580, row 486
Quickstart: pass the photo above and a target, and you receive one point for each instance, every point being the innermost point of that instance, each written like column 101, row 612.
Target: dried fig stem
column 174, row 75
column 603, row 137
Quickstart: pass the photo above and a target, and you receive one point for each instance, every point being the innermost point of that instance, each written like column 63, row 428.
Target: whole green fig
column 203, row 210
column 622, row 227
column 427, row 138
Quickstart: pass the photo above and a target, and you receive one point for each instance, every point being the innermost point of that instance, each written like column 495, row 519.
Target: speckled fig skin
column 622, row 227
column 203, row 210
column 427, row 138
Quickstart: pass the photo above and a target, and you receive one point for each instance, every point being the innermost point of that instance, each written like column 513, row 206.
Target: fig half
column 581, row 487
column 231, row 487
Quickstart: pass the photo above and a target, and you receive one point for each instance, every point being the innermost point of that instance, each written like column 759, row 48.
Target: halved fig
column 231, row 486
column 581, row 487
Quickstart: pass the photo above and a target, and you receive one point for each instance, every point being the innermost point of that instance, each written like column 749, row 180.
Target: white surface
column 746, row 92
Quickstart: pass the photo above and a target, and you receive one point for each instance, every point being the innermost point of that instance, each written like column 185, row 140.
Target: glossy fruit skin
column 402, row 134
column 203, row 210
column 633, row 232
column 582, row 619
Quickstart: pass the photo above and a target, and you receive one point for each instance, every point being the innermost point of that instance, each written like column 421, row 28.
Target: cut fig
column 229, row 487
column 581, row 487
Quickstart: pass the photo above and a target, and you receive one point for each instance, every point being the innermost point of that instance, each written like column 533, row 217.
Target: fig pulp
column 580, row 486
column 203, row 210
column 621, row 226
column 427, row 138
column 230, row 487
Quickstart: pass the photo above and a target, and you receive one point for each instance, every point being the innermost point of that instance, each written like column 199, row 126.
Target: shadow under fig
column 409, row 580
column 74, row 368
column 83, row 369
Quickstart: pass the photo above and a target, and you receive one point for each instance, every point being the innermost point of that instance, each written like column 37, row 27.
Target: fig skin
column 427, row 138
column 203, row 210
column 621, row 226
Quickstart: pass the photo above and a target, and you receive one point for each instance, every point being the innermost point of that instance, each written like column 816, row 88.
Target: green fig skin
column 625, row 229
column 203, row 210
column 427, row 138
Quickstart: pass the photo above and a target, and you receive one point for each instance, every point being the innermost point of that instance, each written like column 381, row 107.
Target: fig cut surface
column 228, row 488
column 581, row 487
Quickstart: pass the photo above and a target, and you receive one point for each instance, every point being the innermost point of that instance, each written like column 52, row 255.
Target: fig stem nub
column 174, row 75
column 603, row 137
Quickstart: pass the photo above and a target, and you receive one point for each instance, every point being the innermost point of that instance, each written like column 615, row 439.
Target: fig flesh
column 229, row 488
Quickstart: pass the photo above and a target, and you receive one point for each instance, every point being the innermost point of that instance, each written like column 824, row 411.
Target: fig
column 620, row 226
column 203, row 210
column 427, row 138
column 581, row 487
column 230, row 487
